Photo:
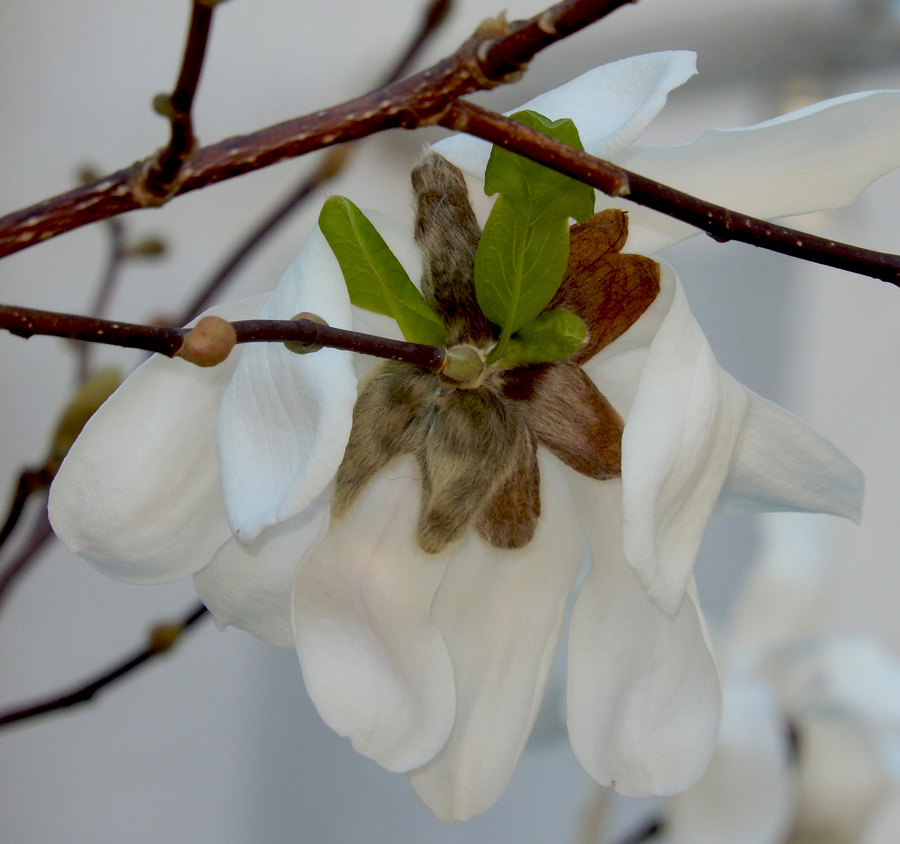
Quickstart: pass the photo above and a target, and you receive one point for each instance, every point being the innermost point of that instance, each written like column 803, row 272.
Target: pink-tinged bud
column 209, row 342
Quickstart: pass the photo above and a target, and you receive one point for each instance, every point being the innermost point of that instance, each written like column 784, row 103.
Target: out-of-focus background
column 218, row 742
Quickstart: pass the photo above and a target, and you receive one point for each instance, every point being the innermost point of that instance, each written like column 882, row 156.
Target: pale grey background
column 219, row 743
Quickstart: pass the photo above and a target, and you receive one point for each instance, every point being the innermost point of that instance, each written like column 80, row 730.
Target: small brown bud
column 464, row 367
column 298, row 347
column 209, row 342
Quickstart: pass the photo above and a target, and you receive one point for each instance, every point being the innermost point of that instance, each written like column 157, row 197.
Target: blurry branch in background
column 160, row 641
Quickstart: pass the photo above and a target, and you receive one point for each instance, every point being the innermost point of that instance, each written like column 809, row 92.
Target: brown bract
column 477, row 447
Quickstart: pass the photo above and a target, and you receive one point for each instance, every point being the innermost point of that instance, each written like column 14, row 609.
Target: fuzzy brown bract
column 477, row 445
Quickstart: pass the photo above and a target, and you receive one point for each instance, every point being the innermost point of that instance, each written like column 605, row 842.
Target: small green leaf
column 552, row 335
column 374, row 276
column 522, row 255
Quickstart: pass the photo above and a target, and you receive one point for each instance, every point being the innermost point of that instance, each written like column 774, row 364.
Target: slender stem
column 331, row 164
column 162, row 638
column 718, row 222
column 162, row 173
column 41, row 532
column 30, row 481
column 495, row 54
column 27, row 322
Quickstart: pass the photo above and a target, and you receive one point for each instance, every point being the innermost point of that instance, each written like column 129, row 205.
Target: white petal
column 285, row 418
column 611, row 106
column 817, row 158
column 745, row 796
column 138, row 494
column 643, row 695
column 678, row 442
column 374, row 662
column 249, row 586
column 781, row 464
column 501, row 613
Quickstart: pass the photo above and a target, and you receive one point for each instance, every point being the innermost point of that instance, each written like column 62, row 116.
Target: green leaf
column 552, row 335
column 374, row 276
column 522, row 255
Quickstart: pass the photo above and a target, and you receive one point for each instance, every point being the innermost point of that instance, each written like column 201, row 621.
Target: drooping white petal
column 781, row 464
column 677, row 446
column 643, row 695
column 746, row 795
column 285, row 418
column 249, row 586
column 138, row 495
column 374, row 662
column 816, row 158
column 611, row 105
column 500, row 613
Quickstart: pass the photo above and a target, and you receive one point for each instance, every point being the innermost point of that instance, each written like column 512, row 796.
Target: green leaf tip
column 550, row 336
column 375, row 278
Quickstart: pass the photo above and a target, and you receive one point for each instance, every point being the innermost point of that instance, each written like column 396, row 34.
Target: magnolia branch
column 162, row 171
column 498, row 52
column 718, row 222
column 161, row 640
column 329, row 166
column 26, row 322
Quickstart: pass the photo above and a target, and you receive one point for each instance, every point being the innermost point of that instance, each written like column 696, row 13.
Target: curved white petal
column 746, row 794
column 285, row 418
column 138, row 494
column 611, row 105
column 817, row 158
column 781, row 464
column 643, row 698
column 249, row 586
column 678, row 442
column 500, row 613
column 374, row 662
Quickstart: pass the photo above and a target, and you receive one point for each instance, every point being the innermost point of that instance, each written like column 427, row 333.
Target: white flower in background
column 809, row 751
column 436, row 664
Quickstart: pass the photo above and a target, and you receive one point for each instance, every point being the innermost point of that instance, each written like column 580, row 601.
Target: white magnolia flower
column 809, row 751
column 436, row 664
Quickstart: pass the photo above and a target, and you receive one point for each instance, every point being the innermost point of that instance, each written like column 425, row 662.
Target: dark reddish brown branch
column 26, row 322
column 162, row 171
column 497, row 53
column 30, row 481
column 716, row 221
column 162, row 638
column 37, row 538
column 331, row 164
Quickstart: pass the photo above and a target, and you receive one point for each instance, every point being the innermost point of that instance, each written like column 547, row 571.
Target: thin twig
column 168, row 341
column 162, row 638
column 30, row 481
column 161, row 172
column 718, row 222
column 40, row 533
column 334, row 160
column 498, row 52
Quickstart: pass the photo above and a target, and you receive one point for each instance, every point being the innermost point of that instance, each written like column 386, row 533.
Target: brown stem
column 495, row 54
column 718, row 222
column 162, row 171
column 161, row 639
column 27, row 322
column 30, row 481
column 331, row 164
column 41, row 533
